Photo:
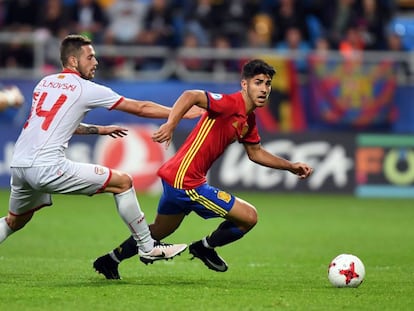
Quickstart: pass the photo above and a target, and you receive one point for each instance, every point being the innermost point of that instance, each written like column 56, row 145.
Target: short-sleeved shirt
column 225, row 122
column 59, row 104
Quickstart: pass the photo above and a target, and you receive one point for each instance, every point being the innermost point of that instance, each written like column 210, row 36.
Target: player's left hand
column 114, row 131
column 301, row 169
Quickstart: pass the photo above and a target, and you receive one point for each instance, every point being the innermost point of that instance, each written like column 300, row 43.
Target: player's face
column 87, row 62
column 258, row 89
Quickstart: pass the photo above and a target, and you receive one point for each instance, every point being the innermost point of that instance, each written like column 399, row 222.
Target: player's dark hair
column 257, row 67
column 72, row 46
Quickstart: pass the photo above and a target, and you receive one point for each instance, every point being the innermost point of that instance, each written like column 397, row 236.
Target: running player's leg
column 240, row 218
column 240, row 215
column 163, row 226
column 23, row 202
column 89, row 179
column 131, row 213
column 171, row 210
column 120, row 184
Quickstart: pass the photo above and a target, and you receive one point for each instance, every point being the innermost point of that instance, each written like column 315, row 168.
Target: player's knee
column 244, row 215
column 251, row 219
column 125, row 182
column 248, row 221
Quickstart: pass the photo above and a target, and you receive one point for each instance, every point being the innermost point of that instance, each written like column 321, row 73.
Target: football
column 346, row 270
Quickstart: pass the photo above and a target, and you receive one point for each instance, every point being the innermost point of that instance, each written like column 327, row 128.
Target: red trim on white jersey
column 117, row 103
column 67, row 70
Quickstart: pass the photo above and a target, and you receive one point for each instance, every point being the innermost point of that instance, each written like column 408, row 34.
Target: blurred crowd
column 284, row 25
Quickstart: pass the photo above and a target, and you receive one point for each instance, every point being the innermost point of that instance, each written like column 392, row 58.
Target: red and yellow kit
column 224, row 122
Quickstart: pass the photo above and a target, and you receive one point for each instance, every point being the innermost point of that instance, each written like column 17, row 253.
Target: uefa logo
column 135, row 154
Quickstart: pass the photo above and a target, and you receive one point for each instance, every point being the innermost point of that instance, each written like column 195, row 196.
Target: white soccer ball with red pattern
column 346, row 270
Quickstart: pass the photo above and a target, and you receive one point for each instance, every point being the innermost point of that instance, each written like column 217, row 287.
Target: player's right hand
column 302, row 170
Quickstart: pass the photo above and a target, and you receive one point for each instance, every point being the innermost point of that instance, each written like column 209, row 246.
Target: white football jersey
column 59, row 104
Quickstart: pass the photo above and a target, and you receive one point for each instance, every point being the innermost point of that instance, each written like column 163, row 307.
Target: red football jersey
column 224, row 122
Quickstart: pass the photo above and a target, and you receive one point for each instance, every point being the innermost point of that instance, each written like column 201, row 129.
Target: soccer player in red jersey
column 228, row 118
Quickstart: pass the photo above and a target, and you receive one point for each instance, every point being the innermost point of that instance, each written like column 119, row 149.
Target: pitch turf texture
column 280, row 265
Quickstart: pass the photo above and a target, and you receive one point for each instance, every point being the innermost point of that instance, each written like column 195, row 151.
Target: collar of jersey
column 66, row 70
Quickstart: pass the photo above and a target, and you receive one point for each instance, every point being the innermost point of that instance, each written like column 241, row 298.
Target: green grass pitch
column 280, row 265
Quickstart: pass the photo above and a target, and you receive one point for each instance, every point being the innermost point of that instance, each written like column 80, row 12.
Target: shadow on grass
column 192, row 281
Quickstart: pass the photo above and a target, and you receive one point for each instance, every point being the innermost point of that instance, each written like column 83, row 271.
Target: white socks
column 5, row 230
column 130, row 212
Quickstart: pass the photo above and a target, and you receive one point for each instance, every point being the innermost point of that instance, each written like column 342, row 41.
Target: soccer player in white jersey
column 39, row 167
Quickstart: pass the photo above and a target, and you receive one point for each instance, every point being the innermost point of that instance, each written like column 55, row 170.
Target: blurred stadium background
column 341, row 100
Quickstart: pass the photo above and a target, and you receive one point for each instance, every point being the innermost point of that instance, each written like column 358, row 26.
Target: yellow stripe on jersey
column 210, row 205
column 188, row 158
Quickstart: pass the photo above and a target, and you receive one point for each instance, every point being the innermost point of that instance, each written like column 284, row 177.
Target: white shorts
column 31, row 187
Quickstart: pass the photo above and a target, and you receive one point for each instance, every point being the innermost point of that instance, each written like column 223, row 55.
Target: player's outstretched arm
column 143, row 108
column 149, row 109
column 92, row 129
column 261, row 156
column 185, row 104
